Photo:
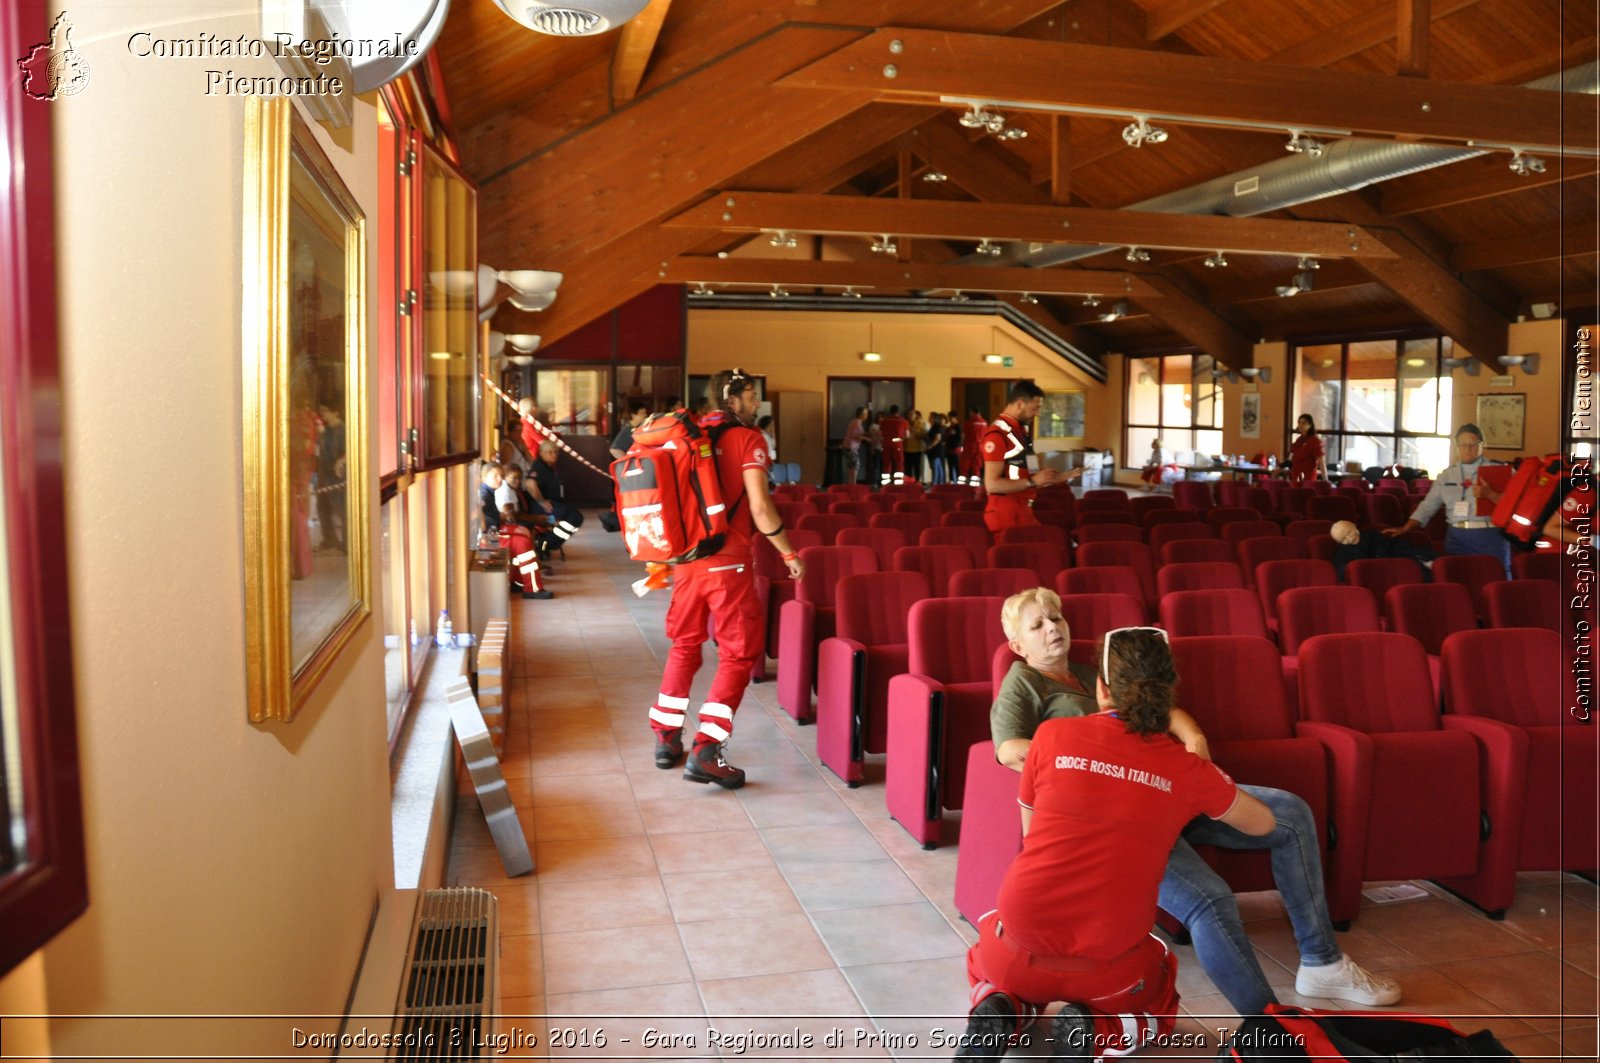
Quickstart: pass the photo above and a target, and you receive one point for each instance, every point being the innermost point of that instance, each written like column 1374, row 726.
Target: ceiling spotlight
column 1012, row 133
column 1091, row 300
column 1217, row 261
column 850, row 292
column 988, row 247
column 700, row 289
column 976, row 117
column 1301, row 282
column 1307, row 262
column 884, row 245
column 1030, row 299
column 779, row 292
column 1118, row 310
column 1137, row 254
column 933, row 175
column 1140, row 132
column 1300, row 144
column 960, row 297
column 1522, row 165
column 783, row 238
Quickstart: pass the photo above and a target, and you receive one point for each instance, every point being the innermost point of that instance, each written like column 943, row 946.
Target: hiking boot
column 1072, row 1035
column 991, row 1027
column 669, row 748
column 706, row 764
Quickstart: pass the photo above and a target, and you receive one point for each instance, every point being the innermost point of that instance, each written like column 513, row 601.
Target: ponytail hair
column 1139, row 673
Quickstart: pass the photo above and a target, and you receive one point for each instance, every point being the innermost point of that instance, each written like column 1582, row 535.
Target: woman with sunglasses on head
column 1103, row 798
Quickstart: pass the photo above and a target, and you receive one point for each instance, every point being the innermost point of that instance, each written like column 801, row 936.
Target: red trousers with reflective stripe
column 722, row 592
column 999, row 514
column 1134, row 997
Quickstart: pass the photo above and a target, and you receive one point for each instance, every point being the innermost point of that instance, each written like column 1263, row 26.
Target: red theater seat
column 1275, row 577
column 1108, row 533
column 1090, row 616
column 975, row 540
column 1186, row 551
column 1194, row 494
column 1472, row 571
column 1335, row 508
column 939, row 709
column 1292, row 502
column 1253, row 553
column 1143, row 506
column 1243, row 530
column 1537, row 564
column 991, row 831
column 1034, row 533
column 1213, row 612
column 1133, row 555
column 991, row 582
column 1523, row 603
column 963, row 518
column 1429, row 612
column 828, row 525
column 855, row 666
column 1102, row 579
column 1219, row 517
column 937, row 563
column 1385, row 510
column 1306, row 530
column 1198, row 576
column 809, row 618
column 1044, row 558
column 1378, row 574
column 910, row 525
column 774, row 587
column 1161, row 534
column 1408, row 789
column 1304, row 612
column 881, row 541
column 1105, row 498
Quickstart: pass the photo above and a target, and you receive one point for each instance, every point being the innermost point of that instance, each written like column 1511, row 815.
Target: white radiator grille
column 448, row 1003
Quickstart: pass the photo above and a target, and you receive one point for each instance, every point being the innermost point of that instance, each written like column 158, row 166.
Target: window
column 1377, row 401
column 1173, row 398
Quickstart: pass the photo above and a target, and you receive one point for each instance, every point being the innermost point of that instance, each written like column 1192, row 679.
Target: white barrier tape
column 548, row 432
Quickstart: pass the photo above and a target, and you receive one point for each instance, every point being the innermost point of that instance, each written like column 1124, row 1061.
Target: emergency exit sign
column 1007, row 362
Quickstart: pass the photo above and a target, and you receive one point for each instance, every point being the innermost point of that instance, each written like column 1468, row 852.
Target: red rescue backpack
column 668, row 495
column 1529, row 498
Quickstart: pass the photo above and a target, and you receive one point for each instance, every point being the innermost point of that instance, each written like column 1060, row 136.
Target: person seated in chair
column 545, row 486
column 1046, row 686
column 1103, row 799
column 1355, row 544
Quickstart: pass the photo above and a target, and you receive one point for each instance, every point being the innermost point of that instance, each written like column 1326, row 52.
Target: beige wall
column 232, row 868
column 1542, row 431
column 799, row 350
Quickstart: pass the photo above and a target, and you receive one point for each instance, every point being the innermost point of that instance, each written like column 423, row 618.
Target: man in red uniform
column 1010, row 470
column 971, row 445
column 721, row 589
column 895, row 429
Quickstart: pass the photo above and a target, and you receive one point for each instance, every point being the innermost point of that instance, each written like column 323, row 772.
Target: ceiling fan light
column 580, row 18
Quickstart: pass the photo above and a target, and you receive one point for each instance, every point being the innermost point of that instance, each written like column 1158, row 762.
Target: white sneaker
column 1346, row 980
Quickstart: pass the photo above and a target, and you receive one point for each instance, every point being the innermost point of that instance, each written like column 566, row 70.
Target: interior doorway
column 986, row 396
column 848, row 394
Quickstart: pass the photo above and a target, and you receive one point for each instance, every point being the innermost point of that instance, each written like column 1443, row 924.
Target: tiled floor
column 796, row 906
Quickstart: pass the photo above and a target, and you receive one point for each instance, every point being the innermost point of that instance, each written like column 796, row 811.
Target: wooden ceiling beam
column 979, row 168
column 1332, row 275
column 930, row 65
column 1412, row 29
column 907, row 276
column 663, row 151
column 1573, row 241
column 1440, row 297
column 1192, row 318
column 738, row 211
column 1060, row 159
column 1357, row 34
column 1173, row 15
column 634, row 45
column 1473, row 180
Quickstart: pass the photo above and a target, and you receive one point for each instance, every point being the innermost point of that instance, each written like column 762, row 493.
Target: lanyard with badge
column 1464, row 509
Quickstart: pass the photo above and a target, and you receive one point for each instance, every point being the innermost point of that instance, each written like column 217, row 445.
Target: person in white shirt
column 1456, row 492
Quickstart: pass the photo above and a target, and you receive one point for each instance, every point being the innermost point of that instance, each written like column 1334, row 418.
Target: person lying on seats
column 1075, row 909
column 1355, row 545
column 1047, row 686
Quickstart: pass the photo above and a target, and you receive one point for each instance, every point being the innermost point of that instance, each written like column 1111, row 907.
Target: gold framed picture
column 307, row 545
column 1061, row 415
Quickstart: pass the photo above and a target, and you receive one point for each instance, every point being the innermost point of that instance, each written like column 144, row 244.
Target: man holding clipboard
column 1466, row 492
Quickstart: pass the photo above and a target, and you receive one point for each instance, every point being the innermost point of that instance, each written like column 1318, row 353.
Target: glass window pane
column 391, row 230
column 1420, row 386
column 1369, row 403
column 392, row 613
column 1144, row 392
column 1208, row 441
column 449, row 310
column 1207, row 393
column 1177, row 391
column 1318, row 384
column 1368, row 450
column 573, row 401
column 1138, row 451
column 1428, row 452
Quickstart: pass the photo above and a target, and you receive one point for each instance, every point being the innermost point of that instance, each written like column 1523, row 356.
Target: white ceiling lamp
column 1140, row 132
column 699, row 289
column 850, row 292
column 1091, row 300
column 1300, row 282
column 988, row 247
column 960, row 297
column 531, row 289
column 1030, row 299
column 782, row 238
column 884, row 245
column 1307, row 262
column 535, row 301
column 1262, row 374
column 1137, row 254
column 1300, row 144
column 934, row 176
column 1523, row 165
column 524, row 342
column 1217, row 261
column 778, row 291
column 1470, row 366
column 580, row 18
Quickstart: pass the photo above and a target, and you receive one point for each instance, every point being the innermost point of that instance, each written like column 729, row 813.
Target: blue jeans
column 1491, row 542
column 1196, row 895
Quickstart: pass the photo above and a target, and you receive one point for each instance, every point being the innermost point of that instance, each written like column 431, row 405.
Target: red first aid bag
column 669, row 498
column 1529, row 498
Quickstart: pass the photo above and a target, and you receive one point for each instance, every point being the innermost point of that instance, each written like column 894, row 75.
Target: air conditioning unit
column 429, row 979
column 584, row 18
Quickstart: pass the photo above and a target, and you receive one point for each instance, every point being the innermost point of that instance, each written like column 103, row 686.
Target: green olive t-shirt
column 1028, row 697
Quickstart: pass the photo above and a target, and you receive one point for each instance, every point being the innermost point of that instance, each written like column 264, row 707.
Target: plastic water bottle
column 444, row 634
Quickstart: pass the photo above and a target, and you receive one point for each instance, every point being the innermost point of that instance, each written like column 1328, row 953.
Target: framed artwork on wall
column 307, row 549
column 1061, row 416
column 1502, row 419
column 1250, row 415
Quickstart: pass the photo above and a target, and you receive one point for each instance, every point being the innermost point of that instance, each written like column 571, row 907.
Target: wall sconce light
column 532, row 289
column 1471, row 365
column 1221, row 373
column 1261, row 374
column 993, row 359
column 1528, row 362
column 1118, row 310
column 525, row 342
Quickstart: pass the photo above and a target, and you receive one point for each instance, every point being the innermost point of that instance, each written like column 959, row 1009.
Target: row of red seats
column 1501, row 782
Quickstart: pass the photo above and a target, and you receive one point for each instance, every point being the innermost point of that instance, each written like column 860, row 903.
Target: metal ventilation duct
column 1343, row 167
